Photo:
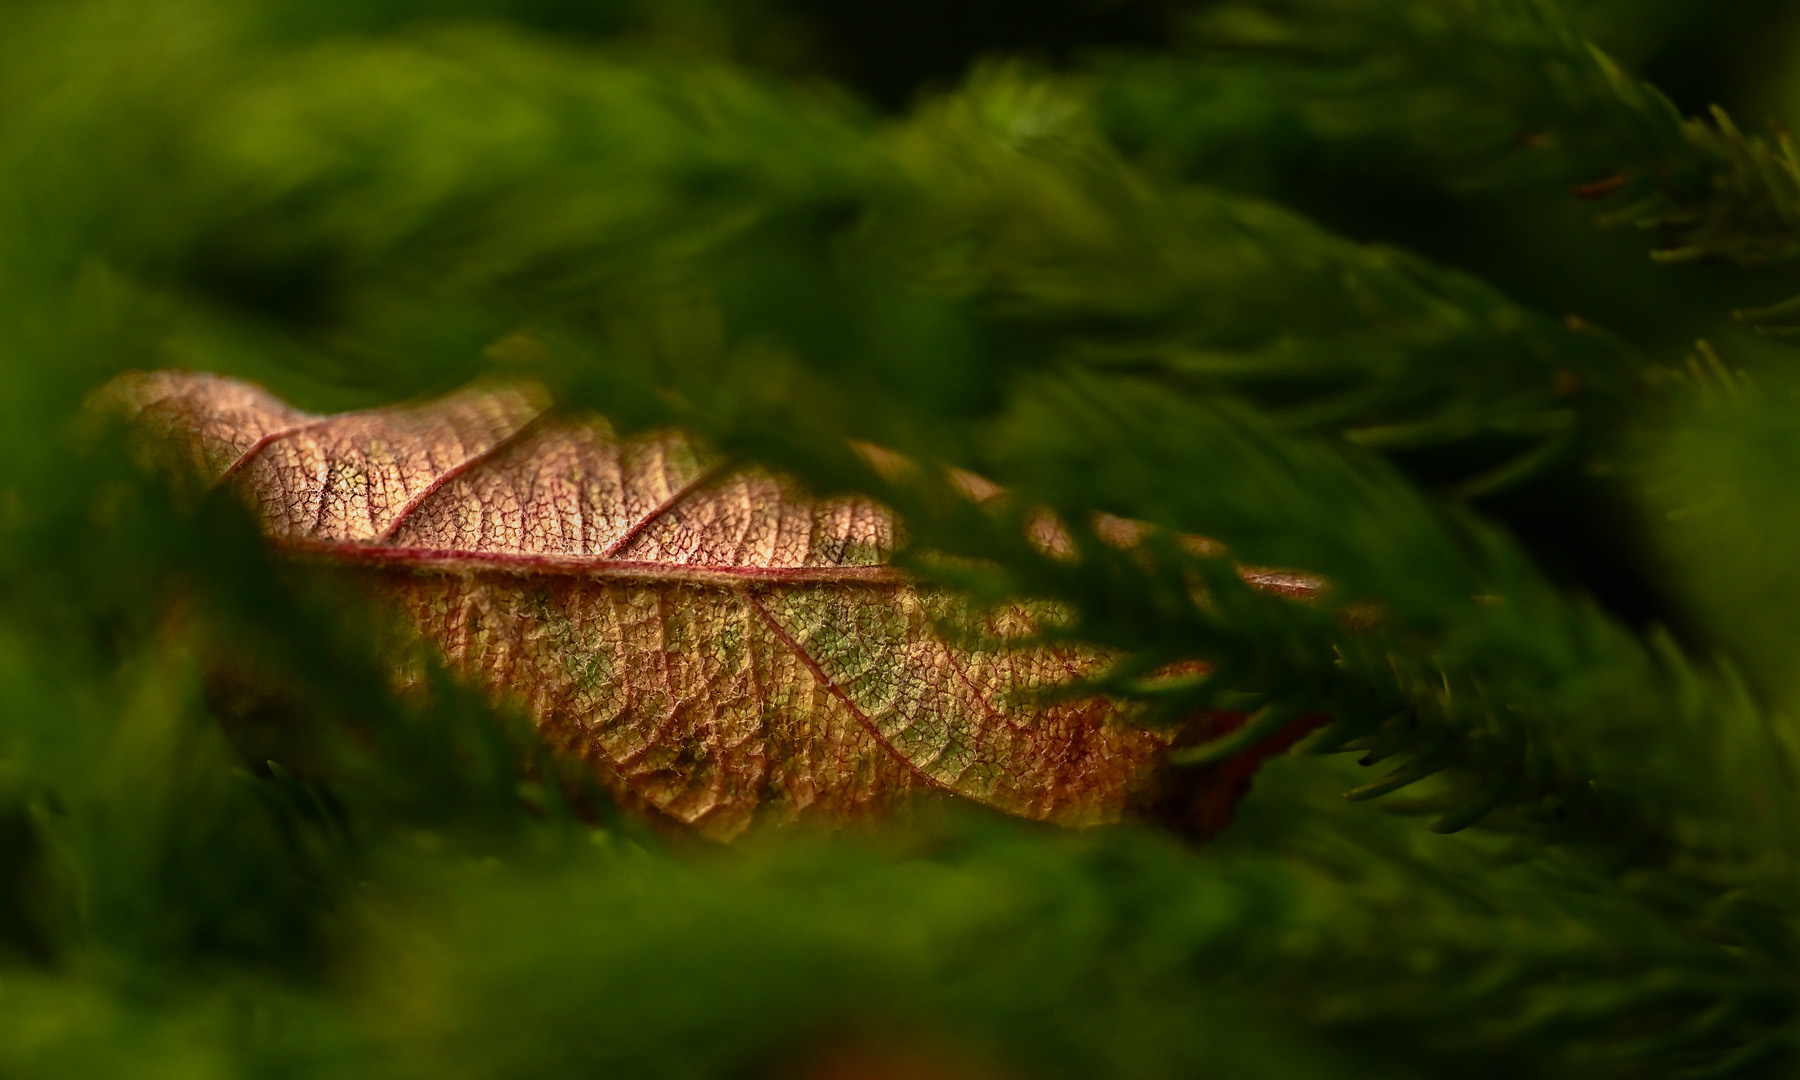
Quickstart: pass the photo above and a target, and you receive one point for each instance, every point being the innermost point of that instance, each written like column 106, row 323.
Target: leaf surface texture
column 719, row 645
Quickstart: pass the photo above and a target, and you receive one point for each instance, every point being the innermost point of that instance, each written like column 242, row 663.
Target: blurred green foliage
column 1305, row 277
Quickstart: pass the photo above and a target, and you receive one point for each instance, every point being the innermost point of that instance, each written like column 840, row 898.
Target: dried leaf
column 718, row 645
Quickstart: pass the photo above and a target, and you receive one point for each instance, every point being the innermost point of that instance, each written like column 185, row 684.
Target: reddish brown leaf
column 717, row 644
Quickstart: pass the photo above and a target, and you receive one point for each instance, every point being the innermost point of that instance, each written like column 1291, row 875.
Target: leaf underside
column 716, row 644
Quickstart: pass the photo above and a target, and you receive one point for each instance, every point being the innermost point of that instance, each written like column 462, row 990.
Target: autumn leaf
column 716, row 644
